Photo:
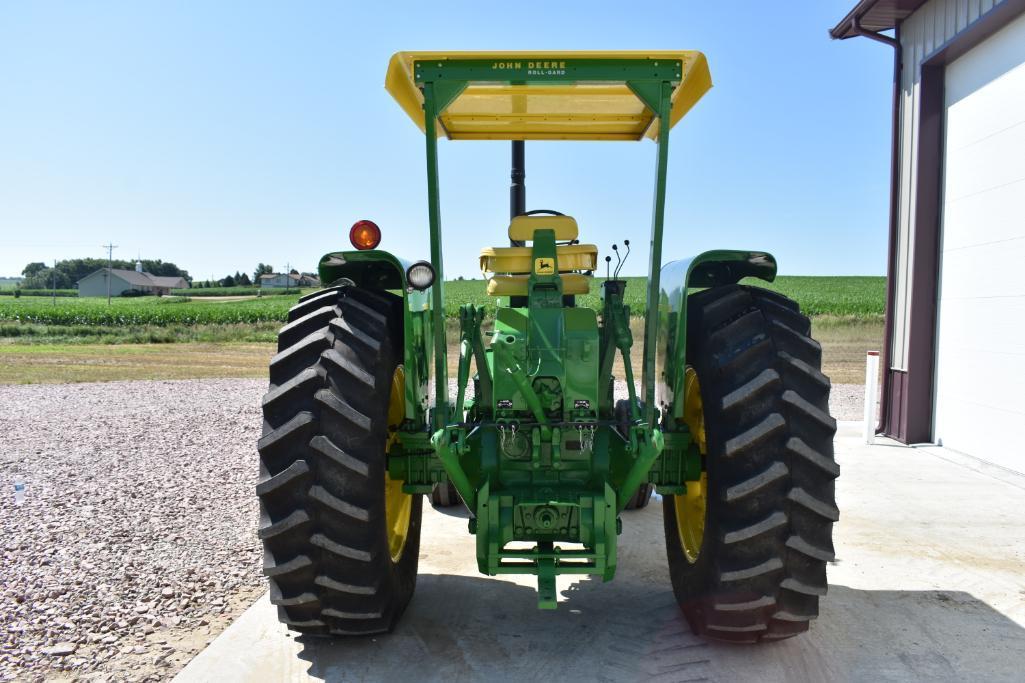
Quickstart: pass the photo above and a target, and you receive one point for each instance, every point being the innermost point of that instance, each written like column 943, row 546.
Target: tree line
column 240, row 279
column 65, row 274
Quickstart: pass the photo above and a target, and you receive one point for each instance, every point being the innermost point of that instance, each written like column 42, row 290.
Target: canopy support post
column 655, row 259
column 437, row 289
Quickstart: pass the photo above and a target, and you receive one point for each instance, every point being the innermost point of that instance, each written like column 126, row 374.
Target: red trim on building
column 908, row 396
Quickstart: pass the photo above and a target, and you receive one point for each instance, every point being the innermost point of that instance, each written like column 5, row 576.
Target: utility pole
column 110, row 264
column 54, row 300
column 288, row 276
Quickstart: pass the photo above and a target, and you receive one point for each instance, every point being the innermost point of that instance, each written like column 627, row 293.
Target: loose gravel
column 138, row 526
column 847, row 401
column 136, row 542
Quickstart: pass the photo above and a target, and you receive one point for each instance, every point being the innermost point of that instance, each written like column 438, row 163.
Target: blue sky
column 221, row 134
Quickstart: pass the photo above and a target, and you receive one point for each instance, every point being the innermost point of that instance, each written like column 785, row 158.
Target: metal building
column 95, row 283
column 954, row 357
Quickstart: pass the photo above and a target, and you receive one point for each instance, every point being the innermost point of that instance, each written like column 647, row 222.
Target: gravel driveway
column 137, row 531
column 136, row 542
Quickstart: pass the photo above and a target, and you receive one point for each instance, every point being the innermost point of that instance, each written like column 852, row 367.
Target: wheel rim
column 690, row 507
column 398, row 506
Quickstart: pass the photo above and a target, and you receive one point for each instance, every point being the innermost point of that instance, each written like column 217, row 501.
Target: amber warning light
column 365, row 235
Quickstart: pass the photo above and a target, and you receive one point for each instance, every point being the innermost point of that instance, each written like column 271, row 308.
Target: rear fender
column 376, row 269
column 710, row 269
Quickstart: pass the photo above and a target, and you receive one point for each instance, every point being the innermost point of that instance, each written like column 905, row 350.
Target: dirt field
column 843, row 346
column 49, row 364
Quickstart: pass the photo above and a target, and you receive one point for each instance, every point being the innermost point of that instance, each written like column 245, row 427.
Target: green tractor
column 730, row 425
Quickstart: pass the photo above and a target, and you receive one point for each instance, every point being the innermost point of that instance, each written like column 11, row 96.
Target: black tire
column 761, row 566
column 314, row 294
column 322, row 467
column 643, row 494
column 444, row 495
column 640, row 499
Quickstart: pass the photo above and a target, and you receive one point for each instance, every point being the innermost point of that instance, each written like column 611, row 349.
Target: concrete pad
column 929, row 584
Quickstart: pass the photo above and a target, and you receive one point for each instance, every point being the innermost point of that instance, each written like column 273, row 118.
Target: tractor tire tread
column 771, row 500
column 321, row 523
column 319, row 292
column 308, row 305
column 300, row 356
column 300, row 328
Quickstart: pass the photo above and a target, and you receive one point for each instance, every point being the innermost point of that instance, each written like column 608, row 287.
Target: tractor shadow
column 466, row 627
column 459, row 511
column 461, row 628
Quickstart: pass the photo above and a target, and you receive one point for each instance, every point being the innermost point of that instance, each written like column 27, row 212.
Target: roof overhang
column 874, row 16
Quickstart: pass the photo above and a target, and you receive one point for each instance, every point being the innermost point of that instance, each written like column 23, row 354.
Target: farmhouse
column 954, row 356
column 289, row 280
column 95, row 284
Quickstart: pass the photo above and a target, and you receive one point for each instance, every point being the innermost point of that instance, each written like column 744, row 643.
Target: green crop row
column 860, row 298
column 143, row 311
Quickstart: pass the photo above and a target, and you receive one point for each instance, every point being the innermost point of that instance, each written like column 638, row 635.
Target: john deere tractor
column 730, row 423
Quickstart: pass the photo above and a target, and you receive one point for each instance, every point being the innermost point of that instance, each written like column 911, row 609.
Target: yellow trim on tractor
column 516, row 285
column 518, row 260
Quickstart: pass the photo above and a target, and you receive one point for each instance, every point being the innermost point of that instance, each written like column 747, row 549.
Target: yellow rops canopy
column 547, row 95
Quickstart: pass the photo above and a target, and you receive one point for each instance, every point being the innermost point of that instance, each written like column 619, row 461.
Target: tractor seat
column 512, row 265
column 521, row 228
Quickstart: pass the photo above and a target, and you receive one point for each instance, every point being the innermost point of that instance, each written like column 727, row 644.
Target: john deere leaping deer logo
column 544, row 266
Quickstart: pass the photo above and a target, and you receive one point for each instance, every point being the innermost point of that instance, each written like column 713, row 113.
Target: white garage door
column 980, row 370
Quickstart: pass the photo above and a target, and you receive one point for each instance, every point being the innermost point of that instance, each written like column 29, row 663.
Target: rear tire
column 770, row 508
column 322, row 467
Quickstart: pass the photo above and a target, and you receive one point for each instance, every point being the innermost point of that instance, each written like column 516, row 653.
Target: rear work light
column 420, row 275
column 365, row 235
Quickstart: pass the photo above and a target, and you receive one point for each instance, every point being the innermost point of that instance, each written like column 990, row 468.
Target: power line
column 110, row 264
